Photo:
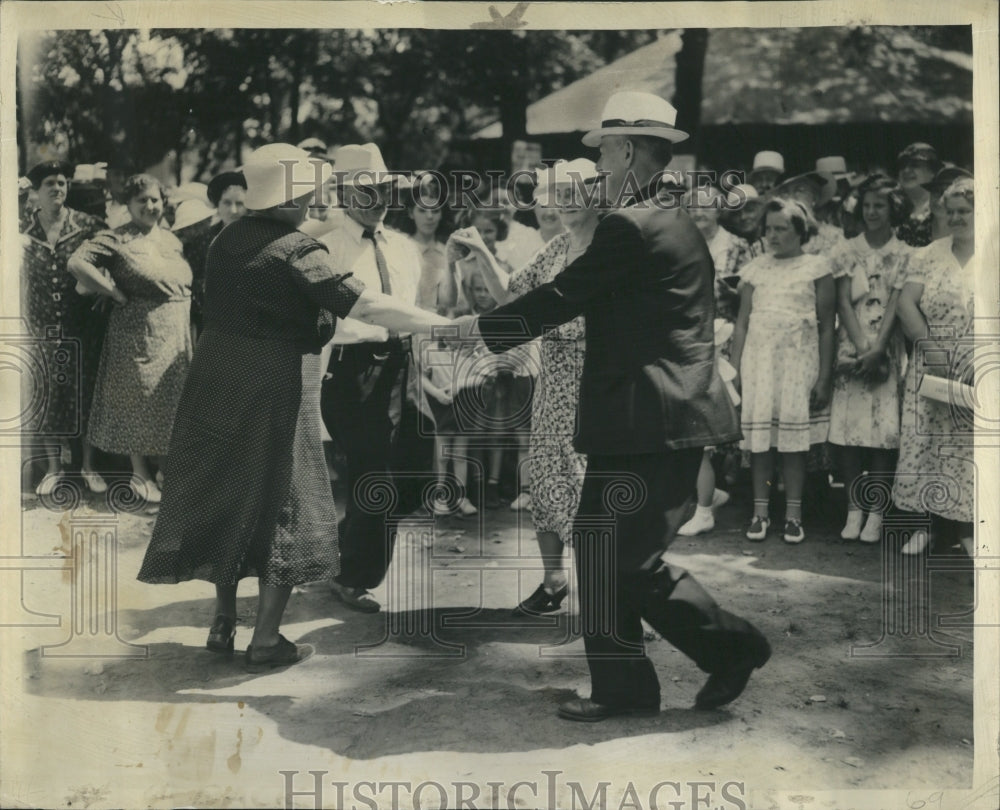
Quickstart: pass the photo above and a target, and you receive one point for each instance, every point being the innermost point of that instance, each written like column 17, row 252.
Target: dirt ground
column 865, row 691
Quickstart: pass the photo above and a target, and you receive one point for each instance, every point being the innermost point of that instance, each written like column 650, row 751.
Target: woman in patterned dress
column 147, row 348
column 917, row 164
column 783, row 348
column 935, row 472
column 864, row 411
column 50, row 234
column 246, row 491
column 729, row 254
column 556, row 468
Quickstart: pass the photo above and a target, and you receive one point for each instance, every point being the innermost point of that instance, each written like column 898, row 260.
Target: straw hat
column 190, row 191
column 767, row 161
column 824, row 184
column 362, row 165
column 280, row 172
column 314, row 146
column 743, row 194
column 563, row 173
column 945, row 176
column 634, row 113
column 190, row 212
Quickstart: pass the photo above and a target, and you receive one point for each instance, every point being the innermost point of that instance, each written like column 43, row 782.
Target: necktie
column 383, row 268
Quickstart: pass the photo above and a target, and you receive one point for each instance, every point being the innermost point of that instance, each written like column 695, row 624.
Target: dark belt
column 373, row 353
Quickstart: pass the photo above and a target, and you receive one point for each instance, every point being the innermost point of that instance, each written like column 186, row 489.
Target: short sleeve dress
column 147, row 346
column 246, row 491
column 936, row 468
column 556, row 468
column 780, row 362
column 63, row 320
column 864, row 414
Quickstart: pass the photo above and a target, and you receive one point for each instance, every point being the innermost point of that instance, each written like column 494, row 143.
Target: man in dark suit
column 650, row 401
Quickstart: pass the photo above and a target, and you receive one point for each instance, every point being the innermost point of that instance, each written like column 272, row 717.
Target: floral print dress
column 147, row 349
column 864, row 414
column 936, row 469
column 556, row 468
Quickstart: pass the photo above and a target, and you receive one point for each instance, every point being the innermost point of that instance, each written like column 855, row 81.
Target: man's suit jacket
column 645, row 287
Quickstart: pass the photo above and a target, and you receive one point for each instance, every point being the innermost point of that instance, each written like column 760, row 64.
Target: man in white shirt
column 364, row 392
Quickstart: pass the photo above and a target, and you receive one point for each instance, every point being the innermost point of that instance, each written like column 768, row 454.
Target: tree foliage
column 212, row 93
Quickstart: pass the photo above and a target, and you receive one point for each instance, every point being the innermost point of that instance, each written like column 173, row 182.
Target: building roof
column 780, row 76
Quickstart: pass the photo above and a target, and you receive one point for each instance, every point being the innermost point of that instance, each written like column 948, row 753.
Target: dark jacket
column 645, row 287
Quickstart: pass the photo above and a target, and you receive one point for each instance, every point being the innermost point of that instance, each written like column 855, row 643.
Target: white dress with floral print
column 864, row 414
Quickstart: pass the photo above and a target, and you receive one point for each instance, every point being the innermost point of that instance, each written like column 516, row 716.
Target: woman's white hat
column 190, row 191
column 634, row 113
column 189, row 212
column 741, row 194
column 563, row 173
column 280, row 172
column 362, row 164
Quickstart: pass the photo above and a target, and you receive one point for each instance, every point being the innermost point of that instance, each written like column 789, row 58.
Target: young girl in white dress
column 783, row 348
column 864, row 411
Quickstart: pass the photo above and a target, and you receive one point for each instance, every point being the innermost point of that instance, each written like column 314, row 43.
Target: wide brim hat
column 46, row 168
column 279, row 173
column 768, row 161
column 635, row 113
column 563, row 173
column 218, row 185
column 313, row 145
column 918, row 153
column 190, row 212
column 742, row 195
column 363, row 165
column 190, row 191
column 945, row 176
column 835, row 165
column 825, row 184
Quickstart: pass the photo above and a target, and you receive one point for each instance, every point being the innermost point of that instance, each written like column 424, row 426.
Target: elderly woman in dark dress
column 147, row 348
column 246, row 490
column 50, row 234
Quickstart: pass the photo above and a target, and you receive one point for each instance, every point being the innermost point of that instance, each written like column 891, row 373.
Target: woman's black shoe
column 541, row 601
column 222, row 634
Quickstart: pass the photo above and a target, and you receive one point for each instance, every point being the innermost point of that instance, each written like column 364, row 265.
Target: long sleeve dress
column 246, row 491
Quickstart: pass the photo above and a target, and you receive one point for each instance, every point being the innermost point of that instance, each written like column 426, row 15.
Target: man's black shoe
column 584, row 710
column 724, row 687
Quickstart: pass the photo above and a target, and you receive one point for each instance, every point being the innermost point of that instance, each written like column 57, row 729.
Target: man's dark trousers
column 630, row 509
column 361, row 404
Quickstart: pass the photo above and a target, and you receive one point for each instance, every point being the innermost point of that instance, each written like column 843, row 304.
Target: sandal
column 282, row 654
column 541, row 601
column 222, row 634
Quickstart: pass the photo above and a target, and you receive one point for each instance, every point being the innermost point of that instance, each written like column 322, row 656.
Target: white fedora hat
column 189, row 191
column 834, row 164
column 768, row 160
column 280, row 172
column 362, row 165
column 634, row 113
column 189, row 212
column 563, row 173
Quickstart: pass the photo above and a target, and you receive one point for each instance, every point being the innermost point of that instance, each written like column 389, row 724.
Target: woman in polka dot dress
column 246, row 490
